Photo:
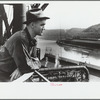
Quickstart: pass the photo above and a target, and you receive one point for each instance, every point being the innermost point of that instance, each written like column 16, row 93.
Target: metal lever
column 28, row 55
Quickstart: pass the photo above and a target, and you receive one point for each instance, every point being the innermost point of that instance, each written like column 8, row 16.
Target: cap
column 34, row 14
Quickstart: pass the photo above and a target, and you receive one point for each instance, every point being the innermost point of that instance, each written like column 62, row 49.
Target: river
column 73, row 53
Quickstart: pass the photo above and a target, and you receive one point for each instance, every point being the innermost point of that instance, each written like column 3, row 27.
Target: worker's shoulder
column 16, row 36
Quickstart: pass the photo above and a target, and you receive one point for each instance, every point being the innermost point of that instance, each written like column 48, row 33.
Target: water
column 77, row 54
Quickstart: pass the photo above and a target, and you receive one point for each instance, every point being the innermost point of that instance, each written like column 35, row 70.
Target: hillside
column 73, row 32
column 93, row 28
column 54, row 34
column 90, row 32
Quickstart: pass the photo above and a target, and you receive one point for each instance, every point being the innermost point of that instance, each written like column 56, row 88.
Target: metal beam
column 35, row 5
column 44, row 6
column 4, row 17
column 1, row 30
column 18, row 16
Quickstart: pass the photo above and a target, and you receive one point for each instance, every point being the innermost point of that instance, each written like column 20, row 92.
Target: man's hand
column 16, row 74
column 34, row 64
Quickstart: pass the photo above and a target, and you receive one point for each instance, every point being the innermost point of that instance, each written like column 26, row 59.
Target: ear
column 32, row 24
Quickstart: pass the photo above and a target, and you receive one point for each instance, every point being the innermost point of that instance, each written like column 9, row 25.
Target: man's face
column 39, row 27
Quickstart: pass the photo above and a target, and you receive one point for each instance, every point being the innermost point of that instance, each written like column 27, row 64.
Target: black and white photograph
column 50, row 43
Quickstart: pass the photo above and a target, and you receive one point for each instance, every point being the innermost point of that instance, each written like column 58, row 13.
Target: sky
column 73, row 14
column 70, row 14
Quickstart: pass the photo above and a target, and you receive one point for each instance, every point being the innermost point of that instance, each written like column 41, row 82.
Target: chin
column 40, row 34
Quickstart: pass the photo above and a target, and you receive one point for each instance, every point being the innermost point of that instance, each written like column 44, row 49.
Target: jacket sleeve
column 20, row 58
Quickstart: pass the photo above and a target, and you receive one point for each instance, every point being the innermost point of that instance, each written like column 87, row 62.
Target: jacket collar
column 32, row 42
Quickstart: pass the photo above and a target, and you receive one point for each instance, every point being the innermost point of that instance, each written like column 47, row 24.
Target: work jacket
column 13, row 55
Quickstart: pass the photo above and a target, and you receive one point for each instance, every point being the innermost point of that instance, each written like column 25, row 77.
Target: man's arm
column 20, row 58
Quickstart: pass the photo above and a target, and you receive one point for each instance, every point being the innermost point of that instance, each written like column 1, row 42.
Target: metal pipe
column 41, row 76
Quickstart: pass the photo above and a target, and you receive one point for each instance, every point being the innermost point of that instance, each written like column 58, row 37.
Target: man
column 20, row 46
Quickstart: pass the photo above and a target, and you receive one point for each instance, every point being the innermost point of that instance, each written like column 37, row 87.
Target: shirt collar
column 32, row 42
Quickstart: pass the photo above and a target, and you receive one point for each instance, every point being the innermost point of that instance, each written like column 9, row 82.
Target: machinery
column 65, row 72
